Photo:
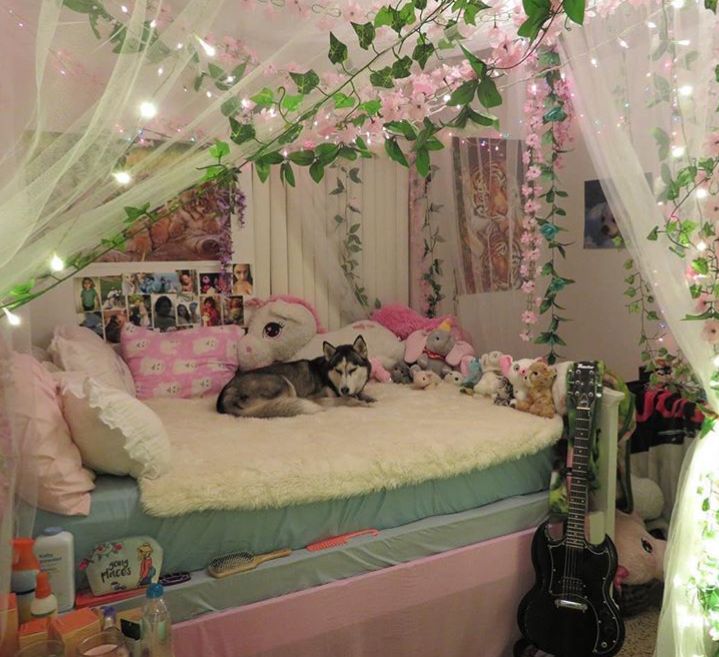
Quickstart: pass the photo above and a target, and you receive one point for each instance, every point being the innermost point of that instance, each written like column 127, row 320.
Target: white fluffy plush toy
column 514, row 370
column 491, row 380
column 559, row 387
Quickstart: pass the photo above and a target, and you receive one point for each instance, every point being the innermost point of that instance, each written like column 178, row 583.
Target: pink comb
column 339, row 540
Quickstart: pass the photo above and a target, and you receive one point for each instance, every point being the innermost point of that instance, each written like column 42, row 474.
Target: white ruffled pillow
column 78, row 349
column 115, row 432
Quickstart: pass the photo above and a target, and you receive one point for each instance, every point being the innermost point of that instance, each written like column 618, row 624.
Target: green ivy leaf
column 216, row 71
column 354, row 175
column 372, row 107
column 480, row 118
column 382, row 78
column 287, row 174
column 422, row 52
column 241, row 132
column 219, row 150
column 292, row 102
column 338, row 50
column 557, row 113
column 264, row 98
column 478, row 66
column 487, row 93
column 384, row 16
column 230, row 107
column 575, row 10
column 289, row 135
column 263, row 170
column 654, row 234
column 700, row 266
column 305, row 82
column 401, row 67
column 317, row 171
column 402, row 127
column 711, row 4
column 365, row 33
column 538, row 12
column 422, row 162
column 342, row 101
column 303, row 158
column 395, row 152
column 463, row 94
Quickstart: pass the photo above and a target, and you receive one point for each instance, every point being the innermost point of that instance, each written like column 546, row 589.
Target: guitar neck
column 579, row 489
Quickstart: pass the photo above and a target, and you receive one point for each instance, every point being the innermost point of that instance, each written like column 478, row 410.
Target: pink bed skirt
column 456, row 604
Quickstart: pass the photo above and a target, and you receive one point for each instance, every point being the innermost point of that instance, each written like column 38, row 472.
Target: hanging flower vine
column 550, row 113
column 431, row 237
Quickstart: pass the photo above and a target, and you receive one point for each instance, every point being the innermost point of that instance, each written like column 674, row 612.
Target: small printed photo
column 93, row 321
column 114, row 320
column 111, row 292
column 188, row 311
column 188, row 281
column 145, row 283
column 210, row 311
column 167, row 283
column 242, row 279
column 131, row 284
column 140, row 310
column 233, row 310
column 600, row 227
column 87, row 294
column 163, row 311
column 211, row 283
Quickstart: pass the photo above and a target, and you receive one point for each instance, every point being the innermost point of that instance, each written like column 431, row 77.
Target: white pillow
column 78, row 349
column 115, row 432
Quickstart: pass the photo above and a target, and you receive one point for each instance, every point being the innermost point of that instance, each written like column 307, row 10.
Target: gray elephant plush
column 438, row 350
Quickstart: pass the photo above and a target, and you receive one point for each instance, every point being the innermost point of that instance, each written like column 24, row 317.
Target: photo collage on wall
column 163, row 301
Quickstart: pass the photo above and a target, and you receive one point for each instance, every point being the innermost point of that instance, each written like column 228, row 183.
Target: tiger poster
column 488, row 179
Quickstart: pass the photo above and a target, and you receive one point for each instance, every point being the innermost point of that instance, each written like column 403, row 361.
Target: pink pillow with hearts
column 189, row 363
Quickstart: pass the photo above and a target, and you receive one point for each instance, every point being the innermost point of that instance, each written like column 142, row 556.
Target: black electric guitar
column 570, row 611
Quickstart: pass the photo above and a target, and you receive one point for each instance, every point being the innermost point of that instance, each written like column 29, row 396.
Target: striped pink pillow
column 188, row 363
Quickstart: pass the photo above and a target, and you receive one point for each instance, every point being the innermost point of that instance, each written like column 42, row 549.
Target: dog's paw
column 366, row 398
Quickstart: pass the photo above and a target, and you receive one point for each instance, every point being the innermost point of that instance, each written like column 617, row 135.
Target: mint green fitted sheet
column 190, row 541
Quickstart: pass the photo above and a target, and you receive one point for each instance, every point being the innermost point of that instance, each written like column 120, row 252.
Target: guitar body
column 594, row 628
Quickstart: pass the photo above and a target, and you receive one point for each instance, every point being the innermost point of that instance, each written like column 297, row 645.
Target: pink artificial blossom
column 529, row 317
column 533, row 172
column 712, row 144
column 710, row 332
column 702, row 302
column 528, row 287
column 525, row 336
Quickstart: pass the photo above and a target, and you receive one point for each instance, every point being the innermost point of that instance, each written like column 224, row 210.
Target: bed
column 452, row 500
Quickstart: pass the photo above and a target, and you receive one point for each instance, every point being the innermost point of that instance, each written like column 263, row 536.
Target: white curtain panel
column 298, row 241
column 626, row 87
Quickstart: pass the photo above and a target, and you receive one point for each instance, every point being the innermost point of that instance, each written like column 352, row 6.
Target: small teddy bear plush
column 504, row 395
column 453, row 377
column 538, row 378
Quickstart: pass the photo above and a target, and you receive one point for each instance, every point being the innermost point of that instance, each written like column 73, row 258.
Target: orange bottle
column 25, row 568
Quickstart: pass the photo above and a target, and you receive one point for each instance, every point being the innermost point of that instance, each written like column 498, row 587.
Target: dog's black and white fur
column 301, row 387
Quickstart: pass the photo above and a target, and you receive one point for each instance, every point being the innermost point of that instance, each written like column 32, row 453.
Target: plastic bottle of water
column 156, row 625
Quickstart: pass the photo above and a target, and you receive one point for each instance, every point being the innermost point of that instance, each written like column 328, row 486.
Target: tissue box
column 8, row 625
column 128, row 563
column 73, row 627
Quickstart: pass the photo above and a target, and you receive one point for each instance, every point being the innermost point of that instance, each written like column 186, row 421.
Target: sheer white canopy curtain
column 646, row 98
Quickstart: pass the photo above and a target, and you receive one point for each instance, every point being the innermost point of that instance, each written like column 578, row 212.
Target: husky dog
column 301, row 387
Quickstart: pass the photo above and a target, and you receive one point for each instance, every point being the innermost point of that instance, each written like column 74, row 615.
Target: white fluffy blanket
column 408, row 436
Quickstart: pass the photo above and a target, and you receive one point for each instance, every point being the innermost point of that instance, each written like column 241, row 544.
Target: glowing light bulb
column 210, row 50
column 651, row 25
column 230, row 78
column 12, row 318
column 594, row 62
column 678, row 4
column 702, row 246
column 702, row 193
column 684, row 42
column 124, row 9
column 148, row 110
column 122, row 177
column 686, row 90
column 56, row 264
column 716, row 361
column 160, row 70
column 153, row 23
column 245, row 102
column 623, row 43
column 209, row 94
column 678, row 151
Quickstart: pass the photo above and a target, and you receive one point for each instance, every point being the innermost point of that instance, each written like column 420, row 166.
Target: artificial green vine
column 431, row 237
column 549, row 225
column 349, row 221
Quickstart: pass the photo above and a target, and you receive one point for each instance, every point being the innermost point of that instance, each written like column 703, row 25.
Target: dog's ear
column 360, row 346
column 328, row 350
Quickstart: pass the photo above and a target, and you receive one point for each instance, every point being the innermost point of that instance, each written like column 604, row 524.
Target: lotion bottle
column 25, row 568
column 45, row 603
column 55, row 550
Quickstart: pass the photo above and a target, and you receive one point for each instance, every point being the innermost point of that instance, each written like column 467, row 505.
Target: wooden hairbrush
column 240, row 562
